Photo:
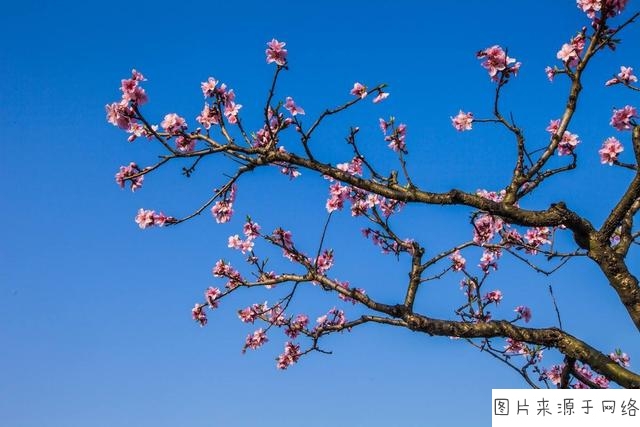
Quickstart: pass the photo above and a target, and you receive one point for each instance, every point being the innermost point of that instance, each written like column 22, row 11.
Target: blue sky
column 95, row 313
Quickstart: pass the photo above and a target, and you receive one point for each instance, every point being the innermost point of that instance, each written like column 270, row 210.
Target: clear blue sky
column 95, row 313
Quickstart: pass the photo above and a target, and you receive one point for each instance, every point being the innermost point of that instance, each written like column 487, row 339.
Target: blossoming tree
column 500, row 226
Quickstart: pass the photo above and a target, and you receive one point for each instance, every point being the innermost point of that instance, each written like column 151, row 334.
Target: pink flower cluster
column 622, row 119
column 496, row 61
column 359, row 90
column 295, row 326
column 250, row 314
column 491, row 195
column 211, row 295
column 122, row 114
column 536, row 237
column 570, row 52
column 590, row 7
column 210, row 115
column 333, row 318
column 127, row 173
column 489, row 259
column 276, row 52
column 625, row 76
column 463, row 121
column 494, row 296
column 223, row 269
column 397, row 137
column 222, row 210
column 524, row 312
column 291, row 106
column 485, row 228
column 381, row 96
column 255, row 340
column 148, row 218
column 550, row 72
column 361, row 201
column 620, row 358
column 251, row 231
column 290, row 356
column 568, row 142
column 457, row 261
column 263, row 137
column 611, row 147
column 131, row 91
column 324, row 262
column 198, row 314
column 173, row 124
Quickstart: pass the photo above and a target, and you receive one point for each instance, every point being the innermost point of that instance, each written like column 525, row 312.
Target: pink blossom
column 185, row 144
column 380, row 97
column 590, row 7
column 144, row 218
column 497, row 60
column 570, row 52
column 485, row 228
column 173, row 124
column 553, row 127
column 551, row 73
column 255, row 340
column 398, row 138
column 119, row 114
column 126, row 173
column 384, row 125
column 222, row 211
column 353, row 168
column 337, row 195
column 251, row 230
column 290, row 356
column 515, row 347
column 292, row 107
column 622, row 118
column 625, row 76
column 494, row 296
column 333, row 318
column 491, row 195
column 359, row 90
column 198, row 314
column 457, row 261
column 567, row 144
column 250, row 314
column 620, row 358
column 209, row 87
column 210, row 115
column 324, row 262
column 211, row 295
column 276, row 315
column 276, row 52
column 601, row 381
column 536, row 237
column 610, row 150
column 488, row 259
column 463, row 121
column 524, row 312
column 231, row 111
column 131, row 92
column 554, row 374
column 235, row 242
column 291, row 171
column 298, row 324
column 161, row 219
